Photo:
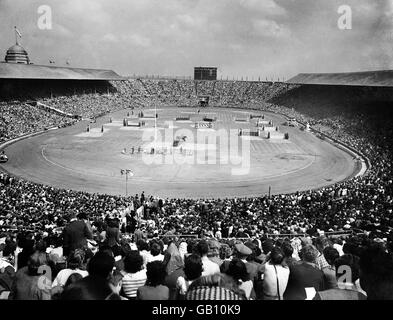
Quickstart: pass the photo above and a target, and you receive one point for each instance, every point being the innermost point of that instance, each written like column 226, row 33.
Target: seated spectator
column 27, row 244
column 174, row 268
column 58, row 290
column 116, row 283
column 112, row 236
column 209, row 267
column 155, row 253
column 29, row 283
column 331, row 255
column 304, row 275
column 321, row 243
column 193, row 268
column 154, row 288
column 143, row 248
column 276, row 275
column 7, row 270
column 214, row 251
column 238, row 271
column 225, row 253
column 74, row 265
column 96, row 285
column 376, row 273
column 347, row 274
column 134, row 274
column 214, row 287
column 287, row 249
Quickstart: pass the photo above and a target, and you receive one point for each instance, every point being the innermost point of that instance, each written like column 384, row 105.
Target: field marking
column 141, row 179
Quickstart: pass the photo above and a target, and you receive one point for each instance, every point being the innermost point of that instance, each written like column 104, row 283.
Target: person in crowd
column 7, row 270
column 58, row 290
column 347, row 275
column 30, row 282
column 27, row 244
column 174, row 268
column 193, row 268
column 116, row 283
column 331, row 255
column 143, row 248
column 287, row 250
column 321, row 243
column 214, row 252
column 254, row 270
column 74, row 265
column 154, row 288
column 75, row 234
column 376, row 272
column 155, row 253
column 215, row 287
column 276, row 275
column 305, row 276
column 134, row 275
column 112, row 236
column 96, row 285
column 209, row 267
column 238, row 271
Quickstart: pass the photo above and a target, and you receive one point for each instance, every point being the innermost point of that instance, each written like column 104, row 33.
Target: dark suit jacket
column 301, row 276
column 75, row 236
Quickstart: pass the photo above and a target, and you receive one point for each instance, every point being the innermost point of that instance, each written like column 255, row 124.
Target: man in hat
column 243, row 252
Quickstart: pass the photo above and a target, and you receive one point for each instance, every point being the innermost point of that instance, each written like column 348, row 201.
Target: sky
column 243, row 38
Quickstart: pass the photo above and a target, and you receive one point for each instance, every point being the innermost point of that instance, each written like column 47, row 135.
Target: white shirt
column 64, row 274
column 270, row 280
column 152, row 258
column 209, row 267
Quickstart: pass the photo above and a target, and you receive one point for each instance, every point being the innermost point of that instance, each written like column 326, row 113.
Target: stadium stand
column 232, row 241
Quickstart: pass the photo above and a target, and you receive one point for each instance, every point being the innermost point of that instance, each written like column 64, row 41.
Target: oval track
column 70, row 158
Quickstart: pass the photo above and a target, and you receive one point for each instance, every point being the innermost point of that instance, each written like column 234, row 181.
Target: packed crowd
column 97, row 262
column 118, row 244
column 18, row 118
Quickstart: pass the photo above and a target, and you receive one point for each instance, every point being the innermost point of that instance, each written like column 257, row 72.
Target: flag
column 18, row 32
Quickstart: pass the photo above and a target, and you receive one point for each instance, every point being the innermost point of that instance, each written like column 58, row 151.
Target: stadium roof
column 383, row 78
column 32, row 71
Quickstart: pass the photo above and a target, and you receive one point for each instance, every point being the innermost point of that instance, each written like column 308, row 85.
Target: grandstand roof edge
column 42, row 72
column 379, row 78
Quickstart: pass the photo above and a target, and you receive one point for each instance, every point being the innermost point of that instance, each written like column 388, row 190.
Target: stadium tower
column 17, row 54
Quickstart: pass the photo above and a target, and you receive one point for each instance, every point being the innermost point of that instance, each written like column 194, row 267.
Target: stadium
column 179, row 171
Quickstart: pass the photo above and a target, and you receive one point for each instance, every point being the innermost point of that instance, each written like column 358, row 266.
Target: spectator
column 76, row 234
column 154, row 288
column 305, row 275
column 134, row 274
column 29, row 282
column 376, row 273
column 193, row 269
column 155, row 253
column 214, row 287
column 276, row 275
column 346, row 266
column 74, row 265
column 331, row 255
column 238, row 271
column 209, row 267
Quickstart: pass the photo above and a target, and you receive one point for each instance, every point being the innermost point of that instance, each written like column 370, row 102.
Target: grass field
column 230, row 166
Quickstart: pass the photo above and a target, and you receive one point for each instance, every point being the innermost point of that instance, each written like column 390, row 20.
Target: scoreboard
column 205, row 73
